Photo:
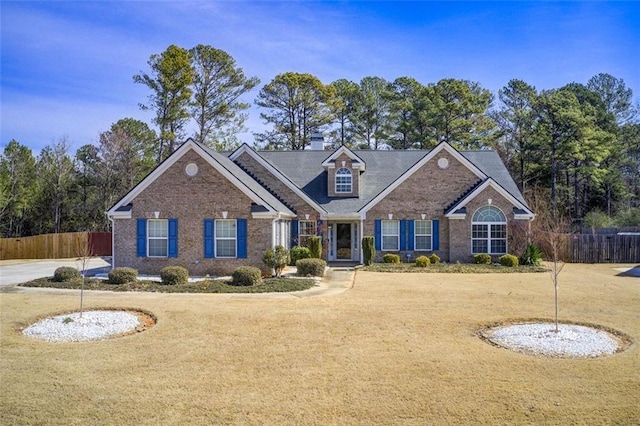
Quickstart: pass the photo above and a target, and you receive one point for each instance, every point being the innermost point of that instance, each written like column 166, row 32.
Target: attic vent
column 317, row 141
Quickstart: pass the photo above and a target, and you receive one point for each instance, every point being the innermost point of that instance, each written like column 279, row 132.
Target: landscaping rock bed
column 93, row 325
column 541, row 338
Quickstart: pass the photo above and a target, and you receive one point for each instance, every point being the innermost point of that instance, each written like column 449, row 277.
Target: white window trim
column 149, row 237
column 344, row 175
column 301, row 234
column 216, row 238
column 416, row 235
column 383, row 235
column 489, row 239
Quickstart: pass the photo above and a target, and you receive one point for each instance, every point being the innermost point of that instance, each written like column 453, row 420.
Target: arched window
column 489, row 231
column 343, row 180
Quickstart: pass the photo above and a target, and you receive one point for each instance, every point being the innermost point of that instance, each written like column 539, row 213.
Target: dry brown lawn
column 395, row 349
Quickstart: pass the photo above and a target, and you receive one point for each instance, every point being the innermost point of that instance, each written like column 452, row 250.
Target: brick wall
column 191, row 200
column 428, row 191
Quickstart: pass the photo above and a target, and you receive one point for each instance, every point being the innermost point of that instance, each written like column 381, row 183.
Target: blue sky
column 67, row 67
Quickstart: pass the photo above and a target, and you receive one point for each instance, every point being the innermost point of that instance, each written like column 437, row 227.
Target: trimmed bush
column 368, row 249
column 509, row 260
column 174, row 275
column 123, row 275
column 422, row 261
column 65, row 273
column 246, row 276
column 276, row 259
column 315, row 246
column 299, row 252
column 482, row 259
column 531, row 256
column 391, row 258
column 311, row 267
column 434, row 258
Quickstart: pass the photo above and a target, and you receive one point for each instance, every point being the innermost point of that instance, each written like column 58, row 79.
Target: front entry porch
column 343, row 241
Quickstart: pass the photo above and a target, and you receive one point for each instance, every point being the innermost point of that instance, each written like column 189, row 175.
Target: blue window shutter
column 141, row 238
column 435, row 229
column 294, row 233
column 173, row 238
column 403, row 234
column 378, row 234
column 411, row 231
column 208, row 239
column 319, row 228
column 242, row 238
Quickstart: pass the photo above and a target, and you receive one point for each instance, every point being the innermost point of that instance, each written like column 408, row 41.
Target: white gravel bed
column 571, row 341
column 94, row 325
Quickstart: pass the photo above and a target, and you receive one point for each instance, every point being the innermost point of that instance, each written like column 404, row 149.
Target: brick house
column 212, row 212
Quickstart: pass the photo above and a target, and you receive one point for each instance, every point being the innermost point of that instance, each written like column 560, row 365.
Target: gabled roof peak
column 358, row 162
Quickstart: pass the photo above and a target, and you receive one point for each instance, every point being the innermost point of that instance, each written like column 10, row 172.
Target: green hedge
column 422, row 261
column 311, row 267
column 368, row 249
column 174, row 275
column 434, row 258
column 391, row 258
column 315, row 246
column 65, row 273
column 123, row 275
column 246, row 276
column 508, row 260
column 299, row 252
column 482, row 259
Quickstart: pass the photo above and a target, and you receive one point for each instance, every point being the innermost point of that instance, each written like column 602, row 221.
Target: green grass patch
column 451, row 268
column 269, row 285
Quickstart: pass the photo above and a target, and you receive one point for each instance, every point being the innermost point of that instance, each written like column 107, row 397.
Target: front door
column 343, row 241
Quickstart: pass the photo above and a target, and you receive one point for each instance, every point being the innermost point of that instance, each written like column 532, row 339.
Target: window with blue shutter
column 242, row 238
column 378, row 234
column 436, row 234
column 173, row 238
column 403, row 234
column 141, row 238
column 208, row 239
column 410, row 234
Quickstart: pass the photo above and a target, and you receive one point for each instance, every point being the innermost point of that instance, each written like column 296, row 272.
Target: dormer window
column 343, row 181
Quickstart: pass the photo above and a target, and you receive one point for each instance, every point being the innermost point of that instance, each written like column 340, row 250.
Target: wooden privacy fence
column 56, row 246
column 602, row 248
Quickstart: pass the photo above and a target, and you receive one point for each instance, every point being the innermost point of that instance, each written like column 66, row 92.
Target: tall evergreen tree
column 18, row 189
column 343, row 107
column 170, row 82
column 515, row 119
column 296, row 105
column 457, row 113
column 218, row 85
column 371, row 116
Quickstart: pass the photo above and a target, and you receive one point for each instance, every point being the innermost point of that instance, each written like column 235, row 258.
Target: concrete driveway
column 19, row 271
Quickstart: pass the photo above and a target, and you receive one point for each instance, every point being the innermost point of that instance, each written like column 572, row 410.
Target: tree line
column 578, row 145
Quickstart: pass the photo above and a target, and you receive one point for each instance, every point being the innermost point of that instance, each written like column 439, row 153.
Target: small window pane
column 226, row 248
column 498, row 246
column 158, row 248
column 480, row 246
column 480, row 231
column 158, row 228
column 389, row 243
column 225, row 228
column 423, row 243
column 390, row 227
column 423, row 227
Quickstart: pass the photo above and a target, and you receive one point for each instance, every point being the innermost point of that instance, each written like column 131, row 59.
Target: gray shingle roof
column 304, row 169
